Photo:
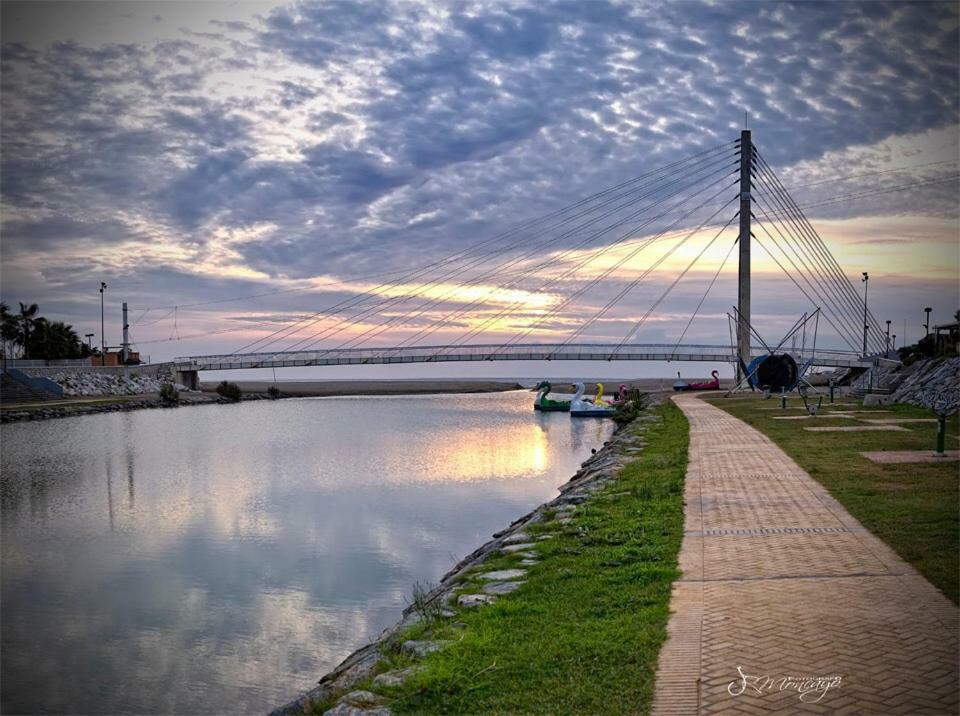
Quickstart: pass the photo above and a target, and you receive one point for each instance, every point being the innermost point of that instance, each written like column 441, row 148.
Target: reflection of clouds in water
column 254, row 545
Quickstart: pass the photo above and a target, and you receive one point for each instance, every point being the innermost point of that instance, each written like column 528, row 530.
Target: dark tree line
column 26, row 334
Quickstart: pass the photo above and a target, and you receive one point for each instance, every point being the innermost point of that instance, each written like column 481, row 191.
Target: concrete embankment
column 339, row 687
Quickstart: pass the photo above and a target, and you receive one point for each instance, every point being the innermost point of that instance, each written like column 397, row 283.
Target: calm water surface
column 221, row 558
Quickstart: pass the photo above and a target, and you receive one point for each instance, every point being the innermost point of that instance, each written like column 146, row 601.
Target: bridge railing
column 486, row 352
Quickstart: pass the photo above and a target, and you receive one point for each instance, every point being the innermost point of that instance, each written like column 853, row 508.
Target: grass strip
column 583, row 633
column 913, row 507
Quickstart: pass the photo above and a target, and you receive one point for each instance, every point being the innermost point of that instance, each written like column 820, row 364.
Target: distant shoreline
column 311, row 388
column 428, row 386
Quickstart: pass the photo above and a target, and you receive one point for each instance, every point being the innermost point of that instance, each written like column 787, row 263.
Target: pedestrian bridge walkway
column 523, row 352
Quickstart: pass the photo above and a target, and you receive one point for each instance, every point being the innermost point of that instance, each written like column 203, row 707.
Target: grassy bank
column 912, row 507
column 583, row 633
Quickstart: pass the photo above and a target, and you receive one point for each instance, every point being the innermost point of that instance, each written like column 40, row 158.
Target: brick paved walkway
column 780, row 581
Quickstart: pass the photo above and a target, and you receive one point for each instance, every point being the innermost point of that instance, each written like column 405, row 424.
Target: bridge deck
column 524, row 352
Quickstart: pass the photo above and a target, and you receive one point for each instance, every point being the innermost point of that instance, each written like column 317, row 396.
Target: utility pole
column 866, row 326
column 888, row 339
column 125, row 350
column 103, row 340
column 927, row 324
column 743, row 295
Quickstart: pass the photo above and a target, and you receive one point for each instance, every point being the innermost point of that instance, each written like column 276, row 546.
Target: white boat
column 597, row 408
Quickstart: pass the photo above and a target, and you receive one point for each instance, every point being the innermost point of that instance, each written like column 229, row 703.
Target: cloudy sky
column 231, row 167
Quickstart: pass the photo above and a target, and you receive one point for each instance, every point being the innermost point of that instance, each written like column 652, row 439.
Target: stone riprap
column 599, row 470
column 95, row 384
column 913, row 383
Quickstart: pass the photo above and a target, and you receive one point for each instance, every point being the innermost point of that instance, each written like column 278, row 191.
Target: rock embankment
column 95, row 384
column 51, row 409
column 339, row 687
column 921, row 383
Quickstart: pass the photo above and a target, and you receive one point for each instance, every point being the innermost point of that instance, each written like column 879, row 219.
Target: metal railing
column 530, row 351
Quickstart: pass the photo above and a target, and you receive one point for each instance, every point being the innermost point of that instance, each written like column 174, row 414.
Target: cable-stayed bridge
column 522, row 352
column 728, row 195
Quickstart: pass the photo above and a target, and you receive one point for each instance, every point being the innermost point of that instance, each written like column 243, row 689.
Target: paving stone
column 908, row 456
column 779, row 580
column 858, row 429
column 362, row 698
column 348, row 710
column 501, row 588
column 510, row 548
column 516, row 537
column 395, row 677
column 475, row 600
column 894, row 421
column 501, row 575
column 529, row 562
column 420, row 649
column 821, row 416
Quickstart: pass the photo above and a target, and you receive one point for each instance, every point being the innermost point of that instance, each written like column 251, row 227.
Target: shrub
column 169, row 394
column 228, row 390
column 635, row 402
column 273, row 391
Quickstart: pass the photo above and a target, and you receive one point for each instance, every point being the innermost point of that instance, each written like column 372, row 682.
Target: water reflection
column 253, row 546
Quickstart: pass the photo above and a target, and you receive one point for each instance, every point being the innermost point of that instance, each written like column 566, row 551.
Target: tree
column 25, row 323
column 8, row 329
column 54, row 340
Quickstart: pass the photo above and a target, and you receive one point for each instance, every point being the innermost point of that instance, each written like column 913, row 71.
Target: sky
column 228, row 168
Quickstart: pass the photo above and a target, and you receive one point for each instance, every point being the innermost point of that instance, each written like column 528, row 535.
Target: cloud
column 379, row 136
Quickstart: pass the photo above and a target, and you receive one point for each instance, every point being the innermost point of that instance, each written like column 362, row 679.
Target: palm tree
column 8, row 327
column 26, row 320
column 54, row 340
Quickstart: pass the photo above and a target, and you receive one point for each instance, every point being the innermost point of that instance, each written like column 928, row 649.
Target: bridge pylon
column 743, row 280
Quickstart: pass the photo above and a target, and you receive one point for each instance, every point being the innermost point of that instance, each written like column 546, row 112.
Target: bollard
column 941, row 433
column 783, row 399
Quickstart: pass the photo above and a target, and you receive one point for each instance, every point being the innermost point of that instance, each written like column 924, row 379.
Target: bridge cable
column 819, row 248
column 794, row 246
column 856, row 301
column 584, row 262
column 465, row 252
column 843, row 334
column 495, row 271
column 703, row 298
column 840, row 333
column 556, row 309
column 547, row 263
column 653, row 173
column 673, row 285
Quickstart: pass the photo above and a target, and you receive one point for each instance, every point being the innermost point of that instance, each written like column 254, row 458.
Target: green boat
column 542, row 402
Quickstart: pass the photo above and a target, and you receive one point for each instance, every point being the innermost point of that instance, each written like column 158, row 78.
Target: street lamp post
column 866, row 326
column 894, row 342
column 89, row 337
column 103, row 340
column 927, row 324
column 888, row 338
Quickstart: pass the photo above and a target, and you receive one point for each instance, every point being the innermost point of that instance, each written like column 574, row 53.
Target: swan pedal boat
column 548, row 405
column 681, row 385
column 598, row 408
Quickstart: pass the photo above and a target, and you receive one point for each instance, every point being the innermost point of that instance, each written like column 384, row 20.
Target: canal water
column 222, row 558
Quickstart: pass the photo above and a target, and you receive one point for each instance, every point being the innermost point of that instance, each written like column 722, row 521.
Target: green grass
column 912, row 507
column 583, row 633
